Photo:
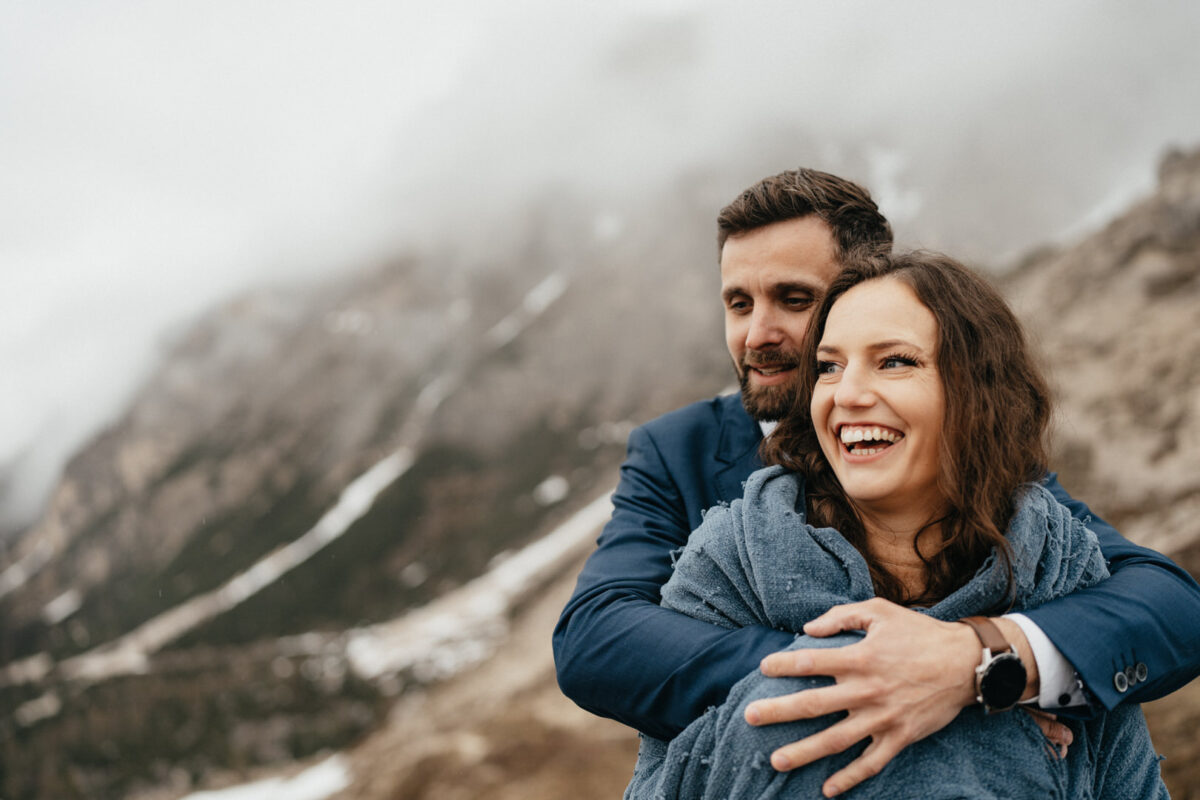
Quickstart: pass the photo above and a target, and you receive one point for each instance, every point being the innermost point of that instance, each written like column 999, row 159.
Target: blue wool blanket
column 756, row 562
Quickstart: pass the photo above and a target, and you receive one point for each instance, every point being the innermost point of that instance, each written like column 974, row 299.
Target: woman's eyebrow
column 893, row 343
column 888, row 344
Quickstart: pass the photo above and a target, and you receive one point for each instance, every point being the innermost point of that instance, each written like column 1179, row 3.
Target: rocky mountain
column 1118, row 319
column 320, row 470
column 313, row 459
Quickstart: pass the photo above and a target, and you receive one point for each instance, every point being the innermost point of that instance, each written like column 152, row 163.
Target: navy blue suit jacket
column 621, row 655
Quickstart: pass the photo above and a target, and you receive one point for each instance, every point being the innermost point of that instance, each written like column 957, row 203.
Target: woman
column 907, row 470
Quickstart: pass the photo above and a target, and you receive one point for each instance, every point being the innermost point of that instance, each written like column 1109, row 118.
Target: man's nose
column 854, row 388
column 764, row 331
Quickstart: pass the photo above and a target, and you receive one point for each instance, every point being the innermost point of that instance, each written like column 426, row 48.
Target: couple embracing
column 857, row 576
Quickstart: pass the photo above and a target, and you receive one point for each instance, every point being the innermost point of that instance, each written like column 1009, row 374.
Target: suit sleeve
column 617, row 652
column 1146, row 613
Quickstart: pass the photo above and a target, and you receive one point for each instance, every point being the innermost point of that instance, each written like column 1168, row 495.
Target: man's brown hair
column 994, row 431
column 845, row 206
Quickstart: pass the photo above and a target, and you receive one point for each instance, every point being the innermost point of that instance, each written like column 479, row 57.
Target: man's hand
column 1059, row 736
column 909, row 677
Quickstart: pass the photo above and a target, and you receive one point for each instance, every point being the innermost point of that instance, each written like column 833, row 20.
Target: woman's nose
column 854, row 390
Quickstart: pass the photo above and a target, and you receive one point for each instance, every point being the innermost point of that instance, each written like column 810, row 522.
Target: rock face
column 1118, row 319
column 152, row 585
column 502, row 387
column 490, row 375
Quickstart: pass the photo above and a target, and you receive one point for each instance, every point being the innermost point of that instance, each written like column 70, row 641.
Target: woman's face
column 878, row 401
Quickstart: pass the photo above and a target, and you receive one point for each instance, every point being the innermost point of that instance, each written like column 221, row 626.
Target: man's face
column 771, row 279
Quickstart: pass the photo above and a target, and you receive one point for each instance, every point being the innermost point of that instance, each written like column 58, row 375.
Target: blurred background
column 324, row 327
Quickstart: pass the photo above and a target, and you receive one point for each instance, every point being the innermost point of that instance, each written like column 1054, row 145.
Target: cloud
column 159, row 158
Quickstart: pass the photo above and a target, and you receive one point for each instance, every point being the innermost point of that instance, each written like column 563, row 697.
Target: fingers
column 1059, row 734
column 799, row 663
column 804, row 704
column 834, row 739
column 788, row 663
column 908, row 677
column 848, row 617
column 868, row 765
column 882, row 749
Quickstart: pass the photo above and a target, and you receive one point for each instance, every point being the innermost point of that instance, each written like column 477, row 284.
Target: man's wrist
column 1059, row 684
column 967, row 646
column 1016, row 637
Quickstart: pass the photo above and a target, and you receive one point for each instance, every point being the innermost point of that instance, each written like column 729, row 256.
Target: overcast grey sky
column 160, row 156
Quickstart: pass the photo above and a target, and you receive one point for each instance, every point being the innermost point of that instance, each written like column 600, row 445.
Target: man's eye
column 738, row 305
column 798, row 301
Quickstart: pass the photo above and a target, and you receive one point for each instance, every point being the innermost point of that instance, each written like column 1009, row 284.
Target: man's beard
column 765, row 403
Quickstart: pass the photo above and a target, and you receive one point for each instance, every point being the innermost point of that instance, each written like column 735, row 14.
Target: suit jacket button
column 1120, row 682
column 1131, row 674
column 1141, row 671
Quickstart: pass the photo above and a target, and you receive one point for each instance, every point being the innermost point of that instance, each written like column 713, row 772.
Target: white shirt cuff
column 1058, row 684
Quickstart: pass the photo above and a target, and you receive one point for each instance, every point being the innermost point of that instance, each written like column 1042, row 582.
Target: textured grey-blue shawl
column 756, row 562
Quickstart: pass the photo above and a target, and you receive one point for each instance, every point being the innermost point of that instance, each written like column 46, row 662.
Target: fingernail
column 752, row 715
column 780, row 763
column 830, row 791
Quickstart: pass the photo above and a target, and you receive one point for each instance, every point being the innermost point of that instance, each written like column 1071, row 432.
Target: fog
column 160, row 157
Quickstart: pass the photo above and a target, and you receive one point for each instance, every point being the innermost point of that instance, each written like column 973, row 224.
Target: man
column 619, row 654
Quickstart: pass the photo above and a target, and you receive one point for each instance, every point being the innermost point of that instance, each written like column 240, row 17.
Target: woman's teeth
column 851, row 435
column 876, row 439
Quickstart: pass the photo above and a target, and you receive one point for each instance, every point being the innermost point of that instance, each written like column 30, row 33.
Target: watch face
column 1003, row 682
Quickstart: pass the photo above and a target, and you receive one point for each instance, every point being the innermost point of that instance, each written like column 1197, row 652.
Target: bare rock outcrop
column 1118, row 319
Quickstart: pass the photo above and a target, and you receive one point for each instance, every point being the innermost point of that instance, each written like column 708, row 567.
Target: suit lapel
column 737, row 449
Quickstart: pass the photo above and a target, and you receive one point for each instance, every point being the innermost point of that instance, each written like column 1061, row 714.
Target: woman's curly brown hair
column 996, row 417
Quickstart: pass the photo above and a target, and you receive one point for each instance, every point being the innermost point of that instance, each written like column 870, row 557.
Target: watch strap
column 989, row 634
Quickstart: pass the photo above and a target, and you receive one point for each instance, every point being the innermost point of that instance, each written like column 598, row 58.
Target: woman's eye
column 895, row 362
column 826, row 367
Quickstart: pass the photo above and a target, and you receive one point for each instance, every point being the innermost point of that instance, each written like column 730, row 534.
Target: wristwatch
column 1000, row 676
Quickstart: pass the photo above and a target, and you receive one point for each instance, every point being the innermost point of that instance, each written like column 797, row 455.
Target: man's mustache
column 785, row 359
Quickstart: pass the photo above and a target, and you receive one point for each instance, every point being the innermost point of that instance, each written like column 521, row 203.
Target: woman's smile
column 867, row 440
column 878, row 401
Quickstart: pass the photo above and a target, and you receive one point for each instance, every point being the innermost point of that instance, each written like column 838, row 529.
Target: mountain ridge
column 512, row 380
